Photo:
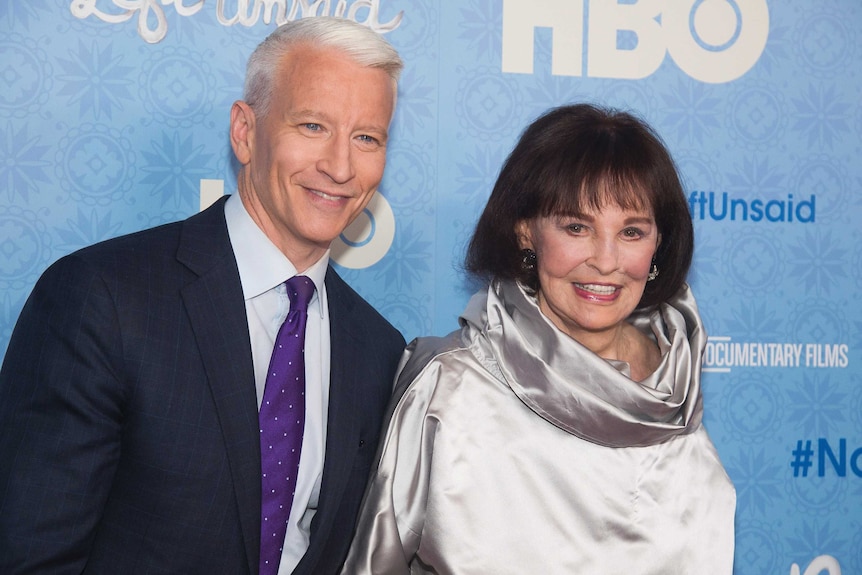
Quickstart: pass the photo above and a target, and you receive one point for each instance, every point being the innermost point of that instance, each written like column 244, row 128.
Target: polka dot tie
column 282, row 420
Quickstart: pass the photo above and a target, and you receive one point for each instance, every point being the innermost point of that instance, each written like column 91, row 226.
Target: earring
column 653, row 272
column 528, row 260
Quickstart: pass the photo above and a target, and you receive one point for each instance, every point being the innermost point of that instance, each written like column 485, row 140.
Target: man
column 129, row 394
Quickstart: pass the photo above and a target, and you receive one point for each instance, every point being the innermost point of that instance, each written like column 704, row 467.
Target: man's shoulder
column 149, row 257
column 159, row 241
column 344, row 300
column 132, row 241
column 125, row 256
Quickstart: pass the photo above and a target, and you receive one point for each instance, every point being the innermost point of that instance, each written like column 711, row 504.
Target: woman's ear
column 522, row 232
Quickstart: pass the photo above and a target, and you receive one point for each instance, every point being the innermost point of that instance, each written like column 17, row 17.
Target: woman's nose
column 604, row 257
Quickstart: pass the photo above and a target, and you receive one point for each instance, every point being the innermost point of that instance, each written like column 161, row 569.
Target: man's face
column 311, row 165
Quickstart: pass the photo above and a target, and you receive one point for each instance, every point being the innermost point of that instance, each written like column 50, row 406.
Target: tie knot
column 299, row 290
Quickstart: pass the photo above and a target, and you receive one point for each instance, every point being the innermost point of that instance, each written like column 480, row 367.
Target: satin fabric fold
column 562, row 381
column 514, row 450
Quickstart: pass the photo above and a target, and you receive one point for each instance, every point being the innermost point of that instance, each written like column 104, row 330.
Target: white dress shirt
column 263, row 269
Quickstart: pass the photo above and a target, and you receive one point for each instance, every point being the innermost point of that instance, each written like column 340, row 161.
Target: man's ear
column 522, row 232
column 242, row 131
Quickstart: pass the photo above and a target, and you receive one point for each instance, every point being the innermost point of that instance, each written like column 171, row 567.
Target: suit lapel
column 216, row 310
column 342, row 426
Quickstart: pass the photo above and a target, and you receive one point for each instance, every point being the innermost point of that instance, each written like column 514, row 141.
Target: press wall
column 114, row 116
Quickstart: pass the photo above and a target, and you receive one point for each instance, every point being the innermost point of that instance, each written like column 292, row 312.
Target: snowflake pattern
column 814, row 538
column 691, row 111
column 758, row 173
column 481, row 27
column 819, row 262
column 407, row 262
column 87, row 228
column 95, row 80
column 416, row 103
column 757, row 479
column 778, row 48
column 477, row 173
column 20, row 14
column 821, row 116
column 24, row 167
column 816, row 405
column 175, row 167
column 754, row 320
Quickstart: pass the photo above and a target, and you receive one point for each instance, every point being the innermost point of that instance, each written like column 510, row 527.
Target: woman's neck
column 625, row 343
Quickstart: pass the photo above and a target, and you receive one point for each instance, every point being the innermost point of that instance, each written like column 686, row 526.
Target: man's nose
column 337, row 159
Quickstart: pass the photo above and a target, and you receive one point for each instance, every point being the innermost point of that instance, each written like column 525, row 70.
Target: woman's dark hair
column 577, row 157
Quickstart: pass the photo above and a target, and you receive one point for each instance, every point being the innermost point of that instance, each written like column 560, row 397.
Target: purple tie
column 282, row 420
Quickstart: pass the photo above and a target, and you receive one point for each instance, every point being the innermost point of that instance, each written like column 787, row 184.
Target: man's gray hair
column 358, row 42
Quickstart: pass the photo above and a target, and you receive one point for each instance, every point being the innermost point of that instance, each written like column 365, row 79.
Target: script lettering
column 153, row 25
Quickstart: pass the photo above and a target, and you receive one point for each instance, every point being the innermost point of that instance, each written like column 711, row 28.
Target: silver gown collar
column 583, row 394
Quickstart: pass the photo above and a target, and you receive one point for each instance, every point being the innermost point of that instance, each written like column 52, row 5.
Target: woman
column 559, row 430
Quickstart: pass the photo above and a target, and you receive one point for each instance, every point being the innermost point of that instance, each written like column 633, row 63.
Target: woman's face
column 592, row 268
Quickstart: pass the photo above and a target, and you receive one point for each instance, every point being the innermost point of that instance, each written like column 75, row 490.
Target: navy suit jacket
column 129, row 435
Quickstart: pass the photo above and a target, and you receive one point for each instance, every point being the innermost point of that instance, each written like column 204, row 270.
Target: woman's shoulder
column 423, row 352
column 441, row 378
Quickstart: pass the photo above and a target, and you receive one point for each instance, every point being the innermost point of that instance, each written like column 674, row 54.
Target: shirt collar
column 261, row 265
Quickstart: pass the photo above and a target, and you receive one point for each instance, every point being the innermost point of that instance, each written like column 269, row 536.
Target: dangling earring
column 653, row 272
column 528, row 260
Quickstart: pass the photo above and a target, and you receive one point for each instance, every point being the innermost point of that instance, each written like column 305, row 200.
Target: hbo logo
column 712, row 41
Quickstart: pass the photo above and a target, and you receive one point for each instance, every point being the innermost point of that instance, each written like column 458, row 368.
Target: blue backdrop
column 114, row 115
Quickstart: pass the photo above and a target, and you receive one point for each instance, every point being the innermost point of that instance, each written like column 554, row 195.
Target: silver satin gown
column 515, row 450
